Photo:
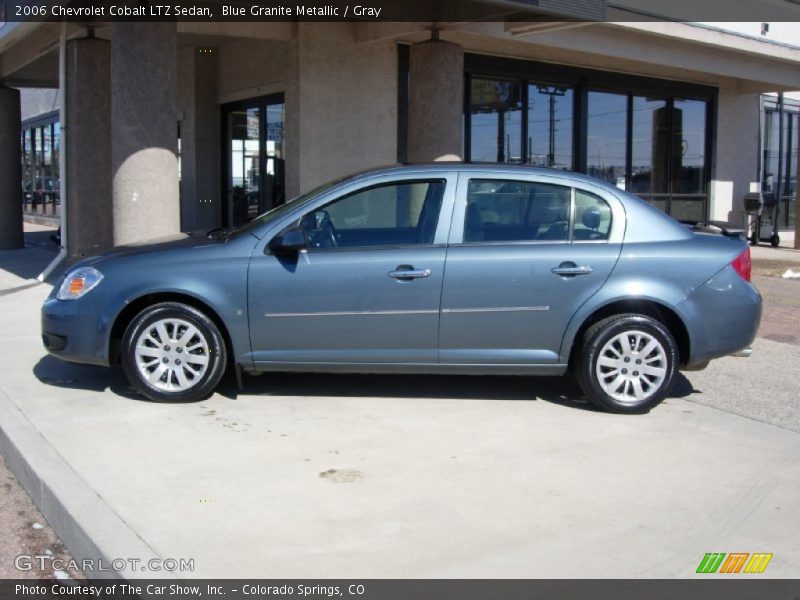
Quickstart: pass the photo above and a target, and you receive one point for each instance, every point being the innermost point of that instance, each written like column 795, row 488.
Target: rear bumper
column 722, row 317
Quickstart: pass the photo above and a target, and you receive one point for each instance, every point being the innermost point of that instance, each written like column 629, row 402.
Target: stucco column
column 88, row 148
column 144, row 131
column 10, row 171
column 200, row 131
column 436, row 100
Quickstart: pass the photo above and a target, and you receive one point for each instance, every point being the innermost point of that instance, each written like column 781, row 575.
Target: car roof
column 500, row 168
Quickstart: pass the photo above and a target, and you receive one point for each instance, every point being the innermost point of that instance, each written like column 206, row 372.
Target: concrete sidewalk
column 362, row 476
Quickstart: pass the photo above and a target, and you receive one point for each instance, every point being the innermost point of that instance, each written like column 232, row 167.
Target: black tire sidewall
column 216, row 344
column 598, row 335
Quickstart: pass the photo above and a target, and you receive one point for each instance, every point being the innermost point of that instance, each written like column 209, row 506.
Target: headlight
column 78, row 282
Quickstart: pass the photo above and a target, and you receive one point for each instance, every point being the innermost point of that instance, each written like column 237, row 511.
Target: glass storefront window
column 27, row 169
column 550, row 126
column 496, row 119
column 779, row 162
column 645, row 136
column 274, row 151
column 689, row 147
column 649, row 146
column 255, row 163
column 245, row 128
column 606, row 143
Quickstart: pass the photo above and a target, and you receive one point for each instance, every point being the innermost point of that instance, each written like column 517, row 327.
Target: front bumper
column 80, row 330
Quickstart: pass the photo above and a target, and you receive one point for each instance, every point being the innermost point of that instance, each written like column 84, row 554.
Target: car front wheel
column 173, row 352
column 627, row 363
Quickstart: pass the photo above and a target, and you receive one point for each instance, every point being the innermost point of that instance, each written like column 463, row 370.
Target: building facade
column 167, row 127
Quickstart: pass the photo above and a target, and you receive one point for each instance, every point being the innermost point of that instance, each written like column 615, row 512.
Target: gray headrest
column 591, row 218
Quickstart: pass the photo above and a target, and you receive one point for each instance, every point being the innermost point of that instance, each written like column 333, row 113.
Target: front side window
column 506, row 211
column 386, row 215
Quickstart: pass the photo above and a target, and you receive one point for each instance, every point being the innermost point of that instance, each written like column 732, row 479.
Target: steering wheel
column 328, row 230
column 319, row 229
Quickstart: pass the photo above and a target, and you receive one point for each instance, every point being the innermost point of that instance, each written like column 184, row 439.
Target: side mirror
column 290, row 241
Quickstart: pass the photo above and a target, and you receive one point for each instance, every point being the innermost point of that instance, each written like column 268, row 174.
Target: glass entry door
column 254, row 157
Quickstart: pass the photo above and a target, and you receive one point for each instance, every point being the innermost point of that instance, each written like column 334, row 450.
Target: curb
column 87, row 525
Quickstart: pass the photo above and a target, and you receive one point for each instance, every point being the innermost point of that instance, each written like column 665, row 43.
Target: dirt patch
column 24, row 533
column 341, row 475
column 780, row 321
column 773, row 267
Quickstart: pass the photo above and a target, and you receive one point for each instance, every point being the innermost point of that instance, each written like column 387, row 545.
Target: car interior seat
column 473, row 224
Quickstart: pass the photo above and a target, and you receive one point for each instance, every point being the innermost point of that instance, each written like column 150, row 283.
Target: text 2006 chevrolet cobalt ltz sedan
column 421, row 269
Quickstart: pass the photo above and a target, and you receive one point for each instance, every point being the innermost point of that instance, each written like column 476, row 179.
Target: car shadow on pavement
column 556, row 390
column 52, row 371
column 563, row 391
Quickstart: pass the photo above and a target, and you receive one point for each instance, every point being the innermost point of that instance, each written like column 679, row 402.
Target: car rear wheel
column 627, row 363
column 172, row 352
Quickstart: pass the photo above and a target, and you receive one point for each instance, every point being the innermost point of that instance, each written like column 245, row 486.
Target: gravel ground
column 24, row 531
column 780, row 321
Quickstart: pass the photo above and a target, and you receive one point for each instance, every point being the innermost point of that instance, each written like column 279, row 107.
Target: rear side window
column 506, row 211
column 592, row 217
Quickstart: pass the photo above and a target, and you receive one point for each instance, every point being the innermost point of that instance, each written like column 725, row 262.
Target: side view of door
column 525, row 253
column 365, row 288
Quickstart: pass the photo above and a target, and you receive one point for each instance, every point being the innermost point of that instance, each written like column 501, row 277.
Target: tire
column 602, row 363
column 184, row 369
column 775, row 240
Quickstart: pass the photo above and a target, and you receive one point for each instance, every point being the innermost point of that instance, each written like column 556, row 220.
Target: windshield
column 279, row 211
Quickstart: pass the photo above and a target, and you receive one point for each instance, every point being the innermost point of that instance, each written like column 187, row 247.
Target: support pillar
column 200, row 132
column 88, row 149
column 144, row 121
column 436, row 101
column 10, row 171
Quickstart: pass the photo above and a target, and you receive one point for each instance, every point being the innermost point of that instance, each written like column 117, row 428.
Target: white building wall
column 737, row 146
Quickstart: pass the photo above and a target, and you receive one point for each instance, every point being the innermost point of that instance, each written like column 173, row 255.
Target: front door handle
column 570, row 269
column 407, row 273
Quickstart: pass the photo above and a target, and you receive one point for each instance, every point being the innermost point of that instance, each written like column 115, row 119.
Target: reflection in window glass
column 650, row 146
column 516, row 211
column 606, row 137
column 550, row 126
column 592, row 217
column 689, row 152
column 496, row 113
column 274, row 153
column 771, row 152
column 687, row 209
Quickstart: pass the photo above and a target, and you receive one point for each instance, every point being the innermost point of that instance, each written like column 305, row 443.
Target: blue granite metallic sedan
column 446, row 268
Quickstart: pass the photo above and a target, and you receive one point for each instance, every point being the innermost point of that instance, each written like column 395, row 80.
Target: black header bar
column 442, row 11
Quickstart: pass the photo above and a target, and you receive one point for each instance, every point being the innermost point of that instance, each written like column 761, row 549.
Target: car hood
column 171, row 242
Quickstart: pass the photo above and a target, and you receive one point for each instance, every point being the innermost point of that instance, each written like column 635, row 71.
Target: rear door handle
column 407, row 272
column 571, row 269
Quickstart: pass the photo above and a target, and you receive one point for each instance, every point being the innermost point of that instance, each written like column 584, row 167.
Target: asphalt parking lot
column 380, row 476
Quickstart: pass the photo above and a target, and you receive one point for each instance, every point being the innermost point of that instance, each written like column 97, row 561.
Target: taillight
column 743, row 265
